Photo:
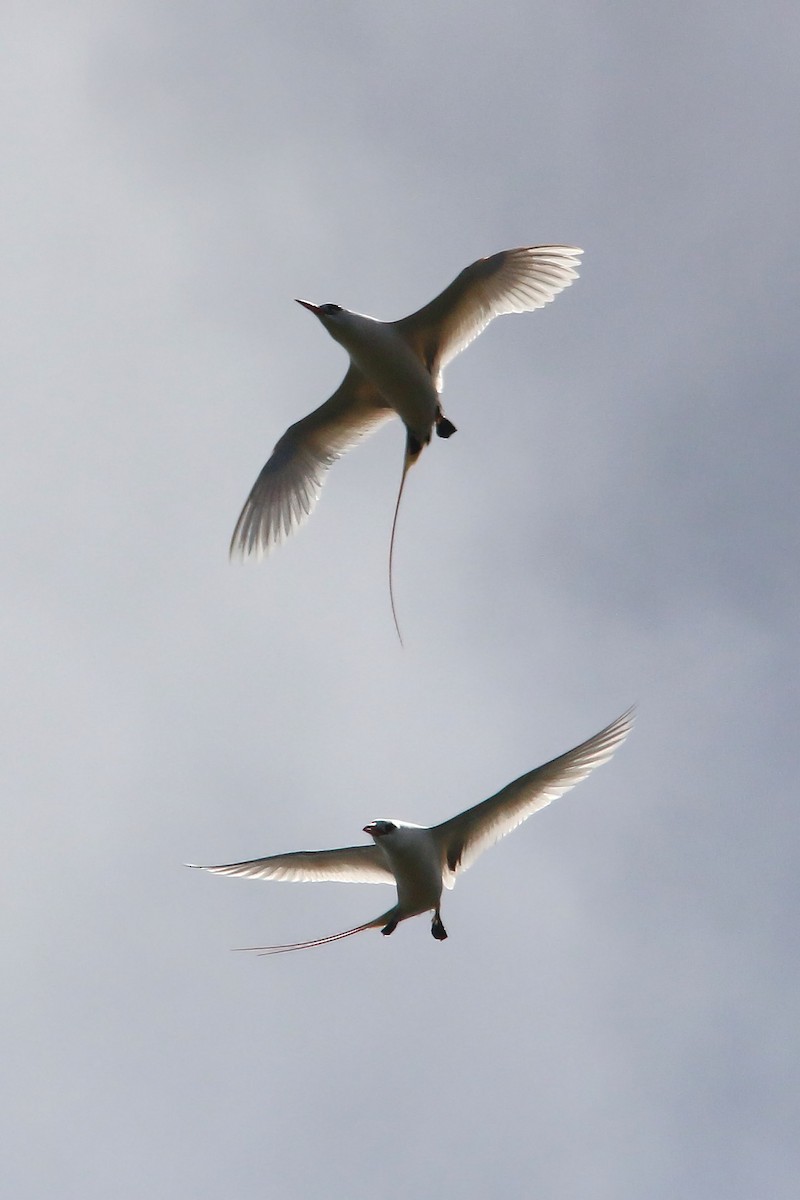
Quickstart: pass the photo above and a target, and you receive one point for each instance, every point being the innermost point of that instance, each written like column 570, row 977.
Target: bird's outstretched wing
column 353, row 864
column 511, row 281
column 288, row 488
column 463, row 838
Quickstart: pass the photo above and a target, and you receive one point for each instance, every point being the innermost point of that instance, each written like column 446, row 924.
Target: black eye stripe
column 330, row 310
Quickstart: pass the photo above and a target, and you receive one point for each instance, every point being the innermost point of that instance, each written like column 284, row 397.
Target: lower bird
column 422, row 860
column 395, row 369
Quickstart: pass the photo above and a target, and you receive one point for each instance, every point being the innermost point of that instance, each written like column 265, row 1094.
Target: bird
column 422, row 860
column 396, row 368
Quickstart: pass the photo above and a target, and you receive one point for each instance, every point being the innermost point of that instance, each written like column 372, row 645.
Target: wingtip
column 245, row 544
column 256, row 548
column 624, row 722
column 616, row 732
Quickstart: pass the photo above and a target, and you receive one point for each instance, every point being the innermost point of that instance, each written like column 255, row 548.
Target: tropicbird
column 422, row 860
column 395, row 368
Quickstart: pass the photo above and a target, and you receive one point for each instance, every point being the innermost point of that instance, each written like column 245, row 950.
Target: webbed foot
column 437, row 928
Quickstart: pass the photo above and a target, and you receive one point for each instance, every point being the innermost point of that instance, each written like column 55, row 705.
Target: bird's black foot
column 444, row 428
column 437, row 928
column 390, row 928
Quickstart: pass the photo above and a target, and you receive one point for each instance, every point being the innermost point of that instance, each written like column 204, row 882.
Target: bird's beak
column 314, row 308
column 370, row 829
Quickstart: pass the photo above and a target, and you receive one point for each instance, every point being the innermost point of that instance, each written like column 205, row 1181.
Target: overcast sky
column 615, row 1013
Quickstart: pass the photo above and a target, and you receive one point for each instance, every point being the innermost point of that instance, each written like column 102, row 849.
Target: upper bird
column 419, row 860
column 395, row 367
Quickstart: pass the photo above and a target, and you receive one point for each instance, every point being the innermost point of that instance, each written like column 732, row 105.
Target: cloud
column 612, row 1012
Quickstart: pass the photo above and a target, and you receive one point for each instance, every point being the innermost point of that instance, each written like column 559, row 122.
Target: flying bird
column 421, row 860
column 395, row 368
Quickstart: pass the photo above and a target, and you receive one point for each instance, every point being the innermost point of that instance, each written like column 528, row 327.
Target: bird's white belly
column 401, row 379
column 418, row 875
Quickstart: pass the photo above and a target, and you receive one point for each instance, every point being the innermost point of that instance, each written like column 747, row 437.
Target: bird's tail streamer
column 413, row 451
column 323, row 941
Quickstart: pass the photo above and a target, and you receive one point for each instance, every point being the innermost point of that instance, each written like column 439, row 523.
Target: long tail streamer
column 413, row 451
column 324, row 941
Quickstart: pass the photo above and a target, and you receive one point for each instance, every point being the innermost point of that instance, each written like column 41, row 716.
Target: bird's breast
column 417, row 871
column 398, row 373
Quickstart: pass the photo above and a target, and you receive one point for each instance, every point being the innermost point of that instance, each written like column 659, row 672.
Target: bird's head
column 345, row 327
column 327, row 313
column 379, row 829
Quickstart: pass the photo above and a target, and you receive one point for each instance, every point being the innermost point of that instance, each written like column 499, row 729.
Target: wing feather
column 512, row 281
column 287, row 490
column 353, row 864
column 465, row 837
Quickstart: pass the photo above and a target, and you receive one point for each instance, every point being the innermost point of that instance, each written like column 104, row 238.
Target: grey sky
column 614, row 1015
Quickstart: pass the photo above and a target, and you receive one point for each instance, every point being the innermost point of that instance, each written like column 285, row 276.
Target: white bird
column 395, row 368
column 419, row 860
